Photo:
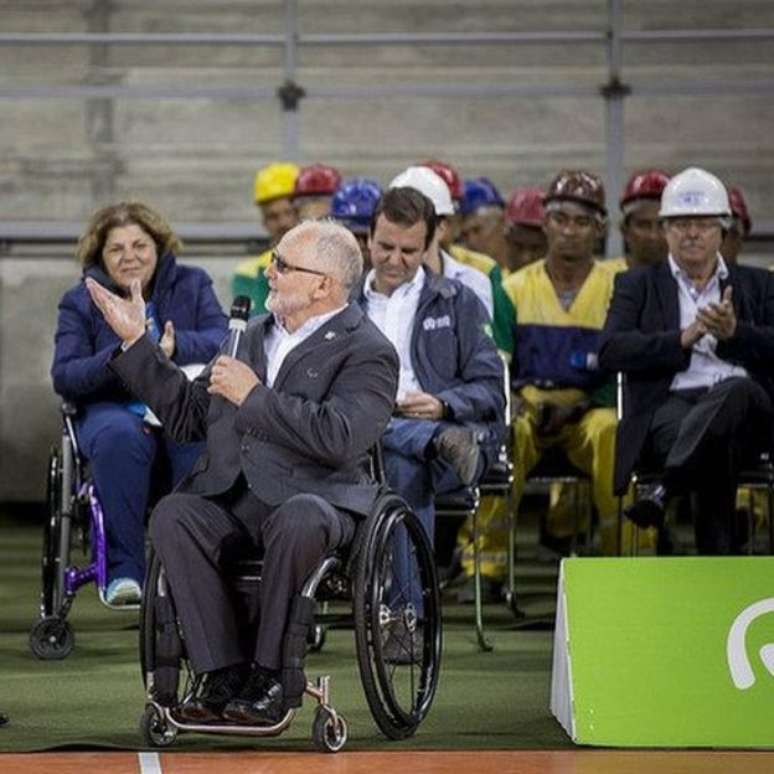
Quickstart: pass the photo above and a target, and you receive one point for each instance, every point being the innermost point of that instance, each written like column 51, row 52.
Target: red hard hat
column 317, row 180
column 577, row 186
column 646, row 184
column 450, row 177
column 525, row 207
column 739, row 208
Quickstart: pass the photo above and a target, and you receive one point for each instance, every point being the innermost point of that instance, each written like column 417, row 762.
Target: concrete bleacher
column 194, row 157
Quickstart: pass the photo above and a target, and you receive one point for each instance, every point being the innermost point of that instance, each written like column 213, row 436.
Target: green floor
column 95, row 696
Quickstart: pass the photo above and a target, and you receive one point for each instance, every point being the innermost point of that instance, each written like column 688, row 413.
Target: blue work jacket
column 84, row 343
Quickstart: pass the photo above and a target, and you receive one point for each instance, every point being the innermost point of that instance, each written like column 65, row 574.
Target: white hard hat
column 694, row 192
column 427, row 182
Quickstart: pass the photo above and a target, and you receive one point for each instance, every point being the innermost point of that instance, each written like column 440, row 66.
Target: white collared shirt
column 476, row 280
column 394, row 316
column 706, row 368
column 279, row 343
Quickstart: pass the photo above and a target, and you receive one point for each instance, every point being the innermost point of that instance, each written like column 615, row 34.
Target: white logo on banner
column 736, row 645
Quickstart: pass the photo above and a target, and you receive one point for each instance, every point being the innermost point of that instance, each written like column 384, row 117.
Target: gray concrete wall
column 194, row 159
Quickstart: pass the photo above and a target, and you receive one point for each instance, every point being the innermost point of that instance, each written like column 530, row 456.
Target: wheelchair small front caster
column 155, row 730
column 52, row 638
column 329, row 730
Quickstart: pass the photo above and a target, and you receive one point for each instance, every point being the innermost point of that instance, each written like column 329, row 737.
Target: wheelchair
column 397, row 628
column 74, row 515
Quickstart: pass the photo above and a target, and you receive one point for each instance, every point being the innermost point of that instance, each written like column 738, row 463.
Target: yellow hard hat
column 274, row 181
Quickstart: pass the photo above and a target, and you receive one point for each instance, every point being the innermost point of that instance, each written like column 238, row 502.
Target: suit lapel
column 257, row 351
column 736, row 291
column 330, row 333
column 666, row 290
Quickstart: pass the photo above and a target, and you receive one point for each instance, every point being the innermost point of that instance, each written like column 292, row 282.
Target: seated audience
column 695, row 340
column 353, row 205
column 562, row 398
column 740, row 228
column 524, row 228
column 120, row 439
column 273, row 195
column 449, row 414
column 643, row 237
column 313, row 191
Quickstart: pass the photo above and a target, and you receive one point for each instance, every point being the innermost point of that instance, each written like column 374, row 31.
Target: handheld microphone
column 237, row 323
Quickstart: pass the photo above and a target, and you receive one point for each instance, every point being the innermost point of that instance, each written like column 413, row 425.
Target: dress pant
column 196, row 536
column 703, row 438
column 122, row 452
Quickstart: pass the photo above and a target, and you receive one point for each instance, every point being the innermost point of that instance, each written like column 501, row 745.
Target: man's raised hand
column 126, row 316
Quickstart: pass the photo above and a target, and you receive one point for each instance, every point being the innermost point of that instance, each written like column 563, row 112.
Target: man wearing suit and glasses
column 289, row 424
column 694, row 338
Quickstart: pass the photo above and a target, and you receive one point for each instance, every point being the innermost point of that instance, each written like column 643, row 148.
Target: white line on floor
column 150, row 763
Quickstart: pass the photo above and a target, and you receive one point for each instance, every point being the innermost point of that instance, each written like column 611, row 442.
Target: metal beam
column 379, row 39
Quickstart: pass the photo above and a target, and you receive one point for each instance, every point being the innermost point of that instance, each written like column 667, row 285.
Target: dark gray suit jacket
column 642, row 338
column 310, row 433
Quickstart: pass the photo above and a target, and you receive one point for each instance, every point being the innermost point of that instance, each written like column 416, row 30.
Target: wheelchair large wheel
column 165, row 670
column 397, row 618
column 51, row 593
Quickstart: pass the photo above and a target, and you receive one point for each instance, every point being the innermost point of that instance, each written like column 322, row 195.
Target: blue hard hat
column 480, row 192
column 354, row 202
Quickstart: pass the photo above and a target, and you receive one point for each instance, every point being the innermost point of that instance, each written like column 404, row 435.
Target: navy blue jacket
column 84, row 342
column 453, row 356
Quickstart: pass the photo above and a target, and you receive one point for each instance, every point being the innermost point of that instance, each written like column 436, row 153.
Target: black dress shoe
column 459, row 447
column 218, row 688
column 259, row 704
column 649, row 509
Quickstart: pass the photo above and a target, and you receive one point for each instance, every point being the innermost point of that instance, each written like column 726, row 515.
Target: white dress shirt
column 279, row 343
column 706, row 368
column 394, row 317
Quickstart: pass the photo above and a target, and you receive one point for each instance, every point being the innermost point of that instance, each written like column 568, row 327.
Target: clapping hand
column 167, row 341
column 126, row 316
column 719, row 319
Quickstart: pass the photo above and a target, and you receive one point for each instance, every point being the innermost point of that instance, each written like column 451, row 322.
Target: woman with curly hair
column 120, row 438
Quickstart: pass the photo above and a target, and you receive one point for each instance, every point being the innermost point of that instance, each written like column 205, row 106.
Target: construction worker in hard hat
column 352, row 205
column 564, row 399
column 483, row 219
column 314, row 190
column 502, row 310
column 643, row 237
column 273, row 195
column 427, row 182
column 524, row 227
column 694, row 337
column 740, row 228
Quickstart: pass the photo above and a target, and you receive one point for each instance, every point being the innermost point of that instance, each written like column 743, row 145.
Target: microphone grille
column 240, row 308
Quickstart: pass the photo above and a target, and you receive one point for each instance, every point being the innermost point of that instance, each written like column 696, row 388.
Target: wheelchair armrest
column 69, row 409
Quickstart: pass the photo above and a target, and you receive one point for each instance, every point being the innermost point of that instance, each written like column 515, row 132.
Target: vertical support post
column 614, row 92
column 99, row 112
column 290, row 122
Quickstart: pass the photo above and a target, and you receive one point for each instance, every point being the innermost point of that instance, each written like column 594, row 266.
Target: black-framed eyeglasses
column 283, row 267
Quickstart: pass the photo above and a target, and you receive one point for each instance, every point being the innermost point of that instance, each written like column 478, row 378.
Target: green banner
column 666, row 652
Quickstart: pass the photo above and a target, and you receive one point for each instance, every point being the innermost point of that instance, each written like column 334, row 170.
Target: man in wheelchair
column 288, row 425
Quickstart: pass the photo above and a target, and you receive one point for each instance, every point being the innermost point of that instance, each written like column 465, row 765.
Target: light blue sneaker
column 123, row 591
